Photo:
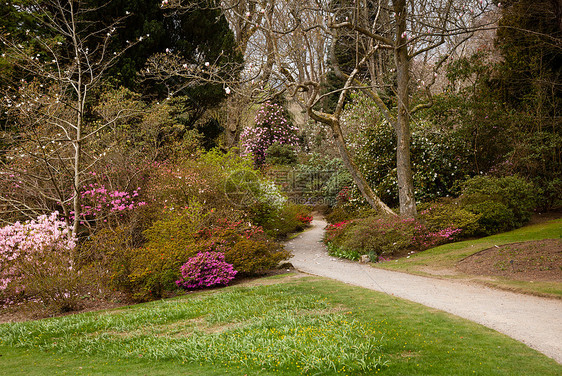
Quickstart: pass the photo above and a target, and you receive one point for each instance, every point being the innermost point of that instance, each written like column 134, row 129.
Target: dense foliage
column 486, row 206
column 135, row 157
column 383, row 237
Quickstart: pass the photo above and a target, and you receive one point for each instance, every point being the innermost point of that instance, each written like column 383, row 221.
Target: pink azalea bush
column 206, row 269
column 35, row 258
column 100, row 203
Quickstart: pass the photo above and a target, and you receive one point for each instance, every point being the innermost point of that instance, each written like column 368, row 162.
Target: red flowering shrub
column 304, row 219
column 335, row 230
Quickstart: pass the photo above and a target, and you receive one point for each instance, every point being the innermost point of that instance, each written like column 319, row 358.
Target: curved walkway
column 535, row 321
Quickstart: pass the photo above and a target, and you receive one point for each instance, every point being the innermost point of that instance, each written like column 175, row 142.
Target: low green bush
column 340, row 214
column 494, row 217
column 348, row 212
column 380, row 237
column 254, row 257
column 503, row 203
column 448, row 213
column 280, row 222
column 281, row 155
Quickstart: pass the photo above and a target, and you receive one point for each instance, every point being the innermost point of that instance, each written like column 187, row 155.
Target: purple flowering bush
column 271, row 127
column 206, row 269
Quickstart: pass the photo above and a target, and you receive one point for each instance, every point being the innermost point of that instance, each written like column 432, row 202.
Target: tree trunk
column 403, row 162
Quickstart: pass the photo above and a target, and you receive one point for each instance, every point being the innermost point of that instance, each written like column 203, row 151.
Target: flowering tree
column 271, row 127
column 63, row 60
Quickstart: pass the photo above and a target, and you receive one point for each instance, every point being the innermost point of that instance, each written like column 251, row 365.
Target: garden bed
column 539, row 260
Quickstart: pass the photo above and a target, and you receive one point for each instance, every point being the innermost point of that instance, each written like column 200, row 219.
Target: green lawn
column 441, row 260
column 293, row 326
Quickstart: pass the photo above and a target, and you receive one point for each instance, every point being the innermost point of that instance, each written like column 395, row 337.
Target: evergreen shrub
column 503, row 203
column 448, row 213
column 384, row 236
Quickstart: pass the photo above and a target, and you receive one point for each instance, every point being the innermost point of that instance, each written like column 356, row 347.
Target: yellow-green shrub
column 449, row 213
column 253, row 257
column 155, row 268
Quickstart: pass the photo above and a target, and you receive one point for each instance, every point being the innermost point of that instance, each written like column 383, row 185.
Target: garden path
column 535, row 321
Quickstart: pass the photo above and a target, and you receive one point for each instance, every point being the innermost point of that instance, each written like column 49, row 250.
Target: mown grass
column 442, row 260
column 307, row 326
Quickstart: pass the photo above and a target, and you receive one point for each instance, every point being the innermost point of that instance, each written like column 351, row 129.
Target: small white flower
column 227, row 90
column 207, row 64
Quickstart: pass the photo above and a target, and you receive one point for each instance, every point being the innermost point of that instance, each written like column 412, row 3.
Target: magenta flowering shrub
column 101, row 204
column 271, row 127
column 36, row 260
column 206, row 269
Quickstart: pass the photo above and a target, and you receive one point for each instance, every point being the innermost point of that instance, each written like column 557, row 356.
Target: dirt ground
column 539, row 260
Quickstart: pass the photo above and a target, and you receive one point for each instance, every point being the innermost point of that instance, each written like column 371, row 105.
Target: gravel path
column 535, row 321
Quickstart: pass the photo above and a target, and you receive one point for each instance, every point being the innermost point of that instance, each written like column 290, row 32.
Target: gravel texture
column 535, row 321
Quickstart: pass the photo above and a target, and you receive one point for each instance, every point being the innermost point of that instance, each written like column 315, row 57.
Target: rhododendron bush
column 271, row 127
column 187, row 232
column 36, row 262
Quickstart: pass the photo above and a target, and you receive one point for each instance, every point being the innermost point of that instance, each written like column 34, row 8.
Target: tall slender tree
column 63, row 60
